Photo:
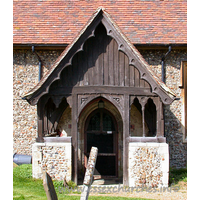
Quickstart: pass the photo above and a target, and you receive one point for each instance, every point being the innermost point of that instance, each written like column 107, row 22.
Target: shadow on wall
column 174, row 137
column 173, row 113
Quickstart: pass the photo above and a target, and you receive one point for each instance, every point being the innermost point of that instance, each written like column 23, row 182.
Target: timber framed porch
column 101, row 65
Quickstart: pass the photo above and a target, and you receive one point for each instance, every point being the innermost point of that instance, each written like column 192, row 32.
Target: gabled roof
column 135, row 58
column 57, row 22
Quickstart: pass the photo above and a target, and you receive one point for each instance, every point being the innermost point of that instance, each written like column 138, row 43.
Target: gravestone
column 89, row 173
column 48, row 187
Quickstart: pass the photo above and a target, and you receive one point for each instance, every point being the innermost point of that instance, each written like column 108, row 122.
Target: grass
column 177, row 175
column 25, row 187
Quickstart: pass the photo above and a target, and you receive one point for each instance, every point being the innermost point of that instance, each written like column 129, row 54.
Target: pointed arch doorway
column 101, row 131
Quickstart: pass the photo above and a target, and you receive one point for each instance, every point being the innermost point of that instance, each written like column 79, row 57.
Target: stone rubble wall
column 54, row 158
column 173, row 112
column 25, row 77
column 148, row 165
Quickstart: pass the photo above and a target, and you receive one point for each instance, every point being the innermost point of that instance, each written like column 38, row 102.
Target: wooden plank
column 86, row 79
column 102, row 89
column 83, row 66
column 132, row 75
column 142, row 83
column 100, row 63
column 137, row 77
column 62, row 77
column 113, row 90
column 75, row 69
column 121, row 68
column 40, row 121
column 143, row 121
column 115, row 63
column 146, row 85
column 45, row 122
column 126, row 125
column 160, row 120
column 90, row 62
column 65, row 76
column 127, row 71
column 80, row 69
column 62, row 91
column 96, row 53
column 40, row 132
column 105, row 56
column 74, row 139
column 110, row 65
column 84, row 69
column 70, row 75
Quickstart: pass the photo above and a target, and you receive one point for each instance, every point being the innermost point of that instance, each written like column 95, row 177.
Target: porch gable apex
column 124, row 45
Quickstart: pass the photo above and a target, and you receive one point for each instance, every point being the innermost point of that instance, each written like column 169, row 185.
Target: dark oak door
column 101, row 132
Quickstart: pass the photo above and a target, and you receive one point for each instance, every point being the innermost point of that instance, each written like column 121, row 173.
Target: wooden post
column 143, row 120
column 126, row 125
column 48, row 187
column 162, row 130
column 74, row 139
column 160, row 121
column 40, row 121
column 89, row 173
column 143, row 101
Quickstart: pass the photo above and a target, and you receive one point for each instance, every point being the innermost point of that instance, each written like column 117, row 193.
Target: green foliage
column 71, row 184
column 176, row 175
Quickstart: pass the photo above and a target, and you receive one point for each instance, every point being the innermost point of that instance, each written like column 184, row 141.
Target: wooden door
column 101, row 132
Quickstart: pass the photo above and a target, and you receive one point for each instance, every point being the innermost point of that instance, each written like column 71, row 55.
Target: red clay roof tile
column 58, row 22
